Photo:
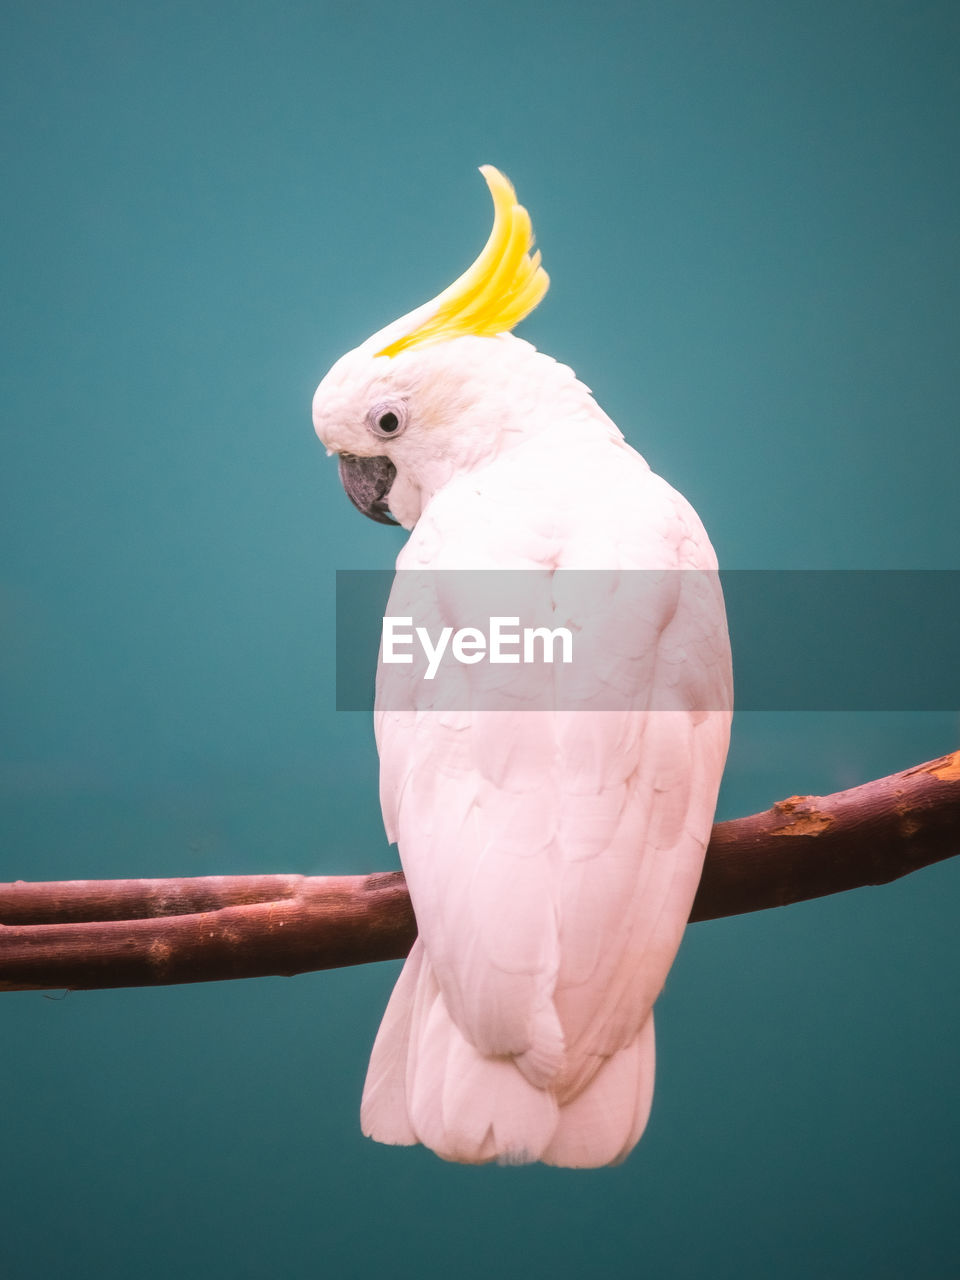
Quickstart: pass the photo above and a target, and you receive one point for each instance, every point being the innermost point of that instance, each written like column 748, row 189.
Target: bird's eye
column 387, row 419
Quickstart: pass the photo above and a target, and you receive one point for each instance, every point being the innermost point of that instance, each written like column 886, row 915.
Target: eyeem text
column 471, row 644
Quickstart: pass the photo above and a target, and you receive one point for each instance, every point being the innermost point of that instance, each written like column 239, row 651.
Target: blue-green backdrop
column 749, row 212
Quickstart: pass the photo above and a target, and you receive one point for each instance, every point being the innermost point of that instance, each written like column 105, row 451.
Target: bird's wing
column 552, row 855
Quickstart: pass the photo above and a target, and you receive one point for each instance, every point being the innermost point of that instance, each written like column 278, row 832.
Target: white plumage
column 552, row 856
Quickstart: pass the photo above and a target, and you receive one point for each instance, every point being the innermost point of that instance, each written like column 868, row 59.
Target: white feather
column 552, row 854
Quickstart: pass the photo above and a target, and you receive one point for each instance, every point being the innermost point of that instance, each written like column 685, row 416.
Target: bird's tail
column 427, row 1083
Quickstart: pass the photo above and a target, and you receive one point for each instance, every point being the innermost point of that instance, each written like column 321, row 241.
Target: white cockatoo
column 552, row 855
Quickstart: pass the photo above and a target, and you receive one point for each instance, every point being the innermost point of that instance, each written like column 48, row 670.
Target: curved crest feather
column 504, row 284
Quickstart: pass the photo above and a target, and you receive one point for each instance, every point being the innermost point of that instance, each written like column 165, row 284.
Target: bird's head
column 437, row 391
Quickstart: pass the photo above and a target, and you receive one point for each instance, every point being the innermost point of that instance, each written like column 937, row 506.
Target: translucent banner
column 802, row 640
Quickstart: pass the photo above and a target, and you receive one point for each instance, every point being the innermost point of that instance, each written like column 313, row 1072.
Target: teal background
column 749, row 212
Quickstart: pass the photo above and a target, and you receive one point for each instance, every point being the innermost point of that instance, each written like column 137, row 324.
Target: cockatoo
column 552, row 855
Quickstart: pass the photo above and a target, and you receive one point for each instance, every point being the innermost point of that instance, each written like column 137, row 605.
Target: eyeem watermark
column 573, row 639
column 469, row 645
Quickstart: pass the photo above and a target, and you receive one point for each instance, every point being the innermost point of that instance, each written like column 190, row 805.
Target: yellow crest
column 503, row 285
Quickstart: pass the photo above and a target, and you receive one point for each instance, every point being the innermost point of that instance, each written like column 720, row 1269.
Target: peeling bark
column 85, row 934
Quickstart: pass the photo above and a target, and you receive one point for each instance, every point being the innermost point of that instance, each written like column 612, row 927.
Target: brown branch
column 84, row 934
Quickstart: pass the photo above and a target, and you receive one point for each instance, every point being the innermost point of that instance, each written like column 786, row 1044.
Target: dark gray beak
column 367, row 483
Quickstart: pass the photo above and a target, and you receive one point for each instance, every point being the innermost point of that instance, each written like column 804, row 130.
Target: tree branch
column 85, row 934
